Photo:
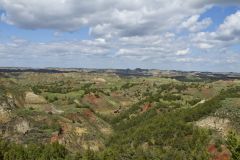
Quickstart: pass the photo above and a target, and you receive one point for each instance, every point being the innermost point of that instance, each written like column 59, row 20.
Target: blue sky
column 218, row 15
column 181, row 35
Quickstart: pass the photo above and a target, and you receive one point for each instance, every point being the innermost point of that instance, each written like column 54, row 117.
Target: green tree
column 233, row 142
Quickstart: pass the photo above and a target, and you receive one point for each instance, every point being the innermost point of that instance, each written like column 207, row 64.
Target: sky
column 191, row 35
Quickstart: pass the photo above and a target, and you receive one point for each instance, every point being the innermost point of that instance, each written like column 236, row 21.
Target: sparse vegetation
column 76, row 117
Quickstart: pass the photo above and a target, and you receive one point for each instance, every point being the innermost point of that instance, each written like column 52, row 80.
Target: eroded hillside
column 107, row 116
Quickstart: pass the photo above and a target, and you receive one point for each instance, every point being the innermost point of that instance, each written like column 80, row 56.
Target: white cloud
column 140, row 30
column 194, row 25
column 120, row 17
column 183, row 52
column 190, row 60
column 150, row 47
column 22, row 48
column 226, row 35
column 204, row 45
column 230, row 29
column 108, row 18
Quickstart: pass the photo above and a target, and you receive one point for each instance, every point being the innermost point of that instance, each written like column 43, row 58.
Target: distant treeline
column 205, row 78
column 34, row 70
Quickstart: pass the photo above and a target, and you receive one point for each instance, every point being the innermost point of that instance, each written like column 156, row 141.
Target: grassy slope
column 162, row 131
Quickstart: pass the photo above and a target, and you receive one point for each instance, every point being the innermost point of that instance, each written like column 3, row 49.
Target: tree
column 233, row 142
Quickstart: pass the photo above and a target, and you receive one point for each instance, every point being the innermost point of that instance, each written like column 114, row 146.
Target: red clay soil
column 115, row 94
column 73, row 117
column 55, row 137
column 146, row 107
column 92, row 99
column 224, row 154
column 207, row 92
column 89, row 115
column 48, row 108
column 64, row 127
column 47, row 121
column 97, row 102
column 159, row 111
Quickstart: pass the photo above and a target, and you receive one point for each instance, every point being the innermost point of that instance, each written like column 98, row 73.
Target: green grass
column 166, row 130
column 231, row 111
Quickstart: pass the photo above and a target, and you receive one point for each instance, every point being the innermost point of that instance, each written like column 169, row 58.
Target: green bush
column 10, row 151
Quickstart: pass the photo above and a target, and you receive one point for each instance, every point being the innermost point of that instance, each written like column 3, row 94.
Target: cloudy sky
column 163, row 34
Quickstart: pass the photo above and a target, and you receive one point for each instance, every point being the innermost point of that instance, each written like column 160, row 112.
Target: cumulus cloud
column 136, row 48
column 230, row 29
column 107, row 18
column 145, row 30
column 146, row 47
column 23, row 48
column 118, row 17
column 183, row 52
column 194, row 25
column 226, row 35
column 70, row 15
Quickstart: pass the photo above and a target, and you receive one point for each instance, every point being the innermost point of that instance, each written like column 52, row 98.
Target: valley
column 118, row 114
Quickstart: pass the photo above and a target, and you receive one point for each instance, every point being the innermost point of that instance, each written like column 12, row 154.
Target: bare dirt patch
column 219, row 154
column 89, row 115
column 99, row 80
column 22, row 126
column 31, row 98
column 80, row 131
column 146, row 107
column 5, row 115
column 106, row 131
column 219, row 124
